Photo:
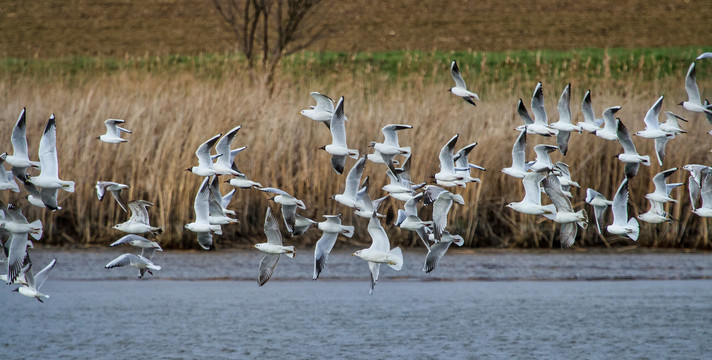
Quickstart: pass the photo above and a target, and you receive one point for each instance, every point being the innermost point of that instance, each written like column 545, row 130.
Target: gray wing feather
column 435, row 253
column 267, row 265
column 321, row 252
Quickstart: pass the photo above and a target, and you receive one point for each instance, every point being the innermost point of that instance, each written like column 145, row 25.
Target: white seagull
column 202, row 226
column 408, row 219
column 205, row 164
column 115, row 189
column 630, row 156
column 389, row 148
column 7, row 180
column 19, row 160
column 599, row 203
column 353, row 178
column 672, row 126
column 217, row 205
column 462, row 164
column 460, row 89
column 143, row 264
column 540, row 124
column 610, row 127
column 49, row 173
column 35, row 282
column 447, row 175
column 543, row 160
column 564, row 125
column 438, row 249
column 323, row 111
column 223, row 164
column 565, row 214
column 113, row 132
column 338, row 148
column 652, row 125
column 442, row 201
column 380, row 251
column 662, row 189
column 531, row 204
column 148, row 248
column 138, row 223
column 272, row 249
column 365, row 207
column 622, row 225
column 289, row 206
column 518, row 168
column 693, row 102
column 565, row 180
column 590, row 123
column 331, row 229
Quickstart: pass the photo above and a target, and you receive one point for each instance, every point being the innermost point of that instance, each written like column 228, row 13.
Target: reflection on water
column 293, row 317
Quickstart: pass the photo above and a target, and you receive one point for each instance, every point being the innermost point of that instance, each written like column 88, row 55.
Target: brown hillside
column 120, row 27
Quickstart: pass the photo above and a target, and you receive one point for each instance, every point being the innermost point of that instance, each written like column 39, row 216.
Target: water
column 98, row 313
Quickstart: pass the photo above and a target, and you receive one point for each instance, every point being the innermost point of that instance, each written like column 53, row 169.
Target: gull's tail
column 68, row 186
column 634, row 229
column 583, row 223
column 290, row 251
column 348, row 231
column 37, row 234
column 395, row 259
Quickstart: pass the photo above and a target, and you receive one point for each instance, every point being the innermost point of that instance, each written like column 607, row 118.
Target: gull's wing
column 694, row 192
column 441, row 207
column 411, row 206
column 552, row 187
column 101, row 189
column 215, row 198
column 374, row 268
column 139, row 213
column 538, row 106
column 532, row 190
column 48, row 149
column 435, row 253
column 354, row 177
column 562, row 141
column 338, row 163
column 267, row 265
column 659, row 180
column 19, row 135
column 274, row 236
column 223, row 146
column 620, row 204
column 289, row 215
column 624, row 139
column 587, row 109
column 203, row 152
column 322, row 251
column 117, row 195
column 693, row 92
column 461, row 156
column 16, row 255
column 389, row 132
column 447, row 164
column 609, row 119
column 124, row 260
column 518, row 151
column 432, row 192
column 564, row 107
column 631, row 169
column 205, row 240
column 378, row 235
column 275, row 191
column 706, row 188
column 567, row 234
column 149, row 252
column 323, row 102
column 338, row 128
column 455, row 72
column 522, row 111
column 128, row 239
column 41, row 276
column 111, row 127
column 651, row 117
column 333, row 219
column 598, row 212
column 200, row 205
column 49, row 198
column 225, row 200
column 660, row 144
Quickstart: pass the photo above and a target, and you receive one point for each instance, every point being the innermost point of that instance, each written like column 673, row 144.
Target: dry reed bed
column 171, row 116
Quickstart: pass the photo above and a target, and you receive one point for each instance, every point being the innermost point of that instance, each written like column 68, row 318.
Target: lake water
column 490, row 305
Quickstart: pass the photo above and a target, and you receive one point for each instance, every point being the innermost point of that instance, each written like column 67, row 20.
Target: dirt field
column 131, row 27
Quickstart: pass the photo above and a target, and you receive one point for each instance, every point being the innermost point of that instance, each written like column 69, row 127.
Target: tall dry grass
column 170, row 115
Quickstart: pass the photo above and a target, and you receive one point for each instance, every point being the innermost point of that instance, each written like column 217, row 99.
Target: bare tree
column 287, row 26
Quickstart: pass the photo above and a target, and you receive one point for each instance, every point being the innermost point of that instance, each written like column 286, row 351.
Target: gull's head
column 680, row 103
column 357, row 253
column 372, row 144
column 510, row 205
column 16, row 290
column 189, row 169
column 449, row 90
column 258, row 246
column 323, row 148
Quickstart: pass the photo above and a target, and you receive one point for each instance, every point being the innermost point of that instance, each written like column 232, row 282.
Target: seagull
column 652, row 125
column 218, row 214
column 19, row 160
column 397, row 189
column 599, row 203
column 543, row 160
column 7, row 180
column 656, row 214
column 438, row 249
column 365, row 207
column 693, row 102
column 35, row 282
column 143, row 264
column 408, row 219
column 671, row 126
column 113, row 132
column 242, row 182
column 518, row 169
column 17, row 223
column 338, row 148
column 707, row 55
column 447, row 175
column 389, row 148
column 148, row 248
column 273, row 248
column 403, row 175
column 590, row 123
column 462, row 164
column 205, row 164
column 223, row 164
column 202, row 226
column 301, row 225
column 16, row 251
column 630, row 156
column 705, row 191
column 531, row 204
column 565, row 214
column 323, row 111
column 460, row 89
column 115, row 189
column 565, row 178
column 331, row 229
column 289, row 206
column 662, row 190
column 442, row 201
column 540, row 124
column 138, row 223
column 353, row 178
column 609, row 131
column 44, row 198
column 380, row 251
column 564, row 125
column 621, row 224
column 49, row 173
